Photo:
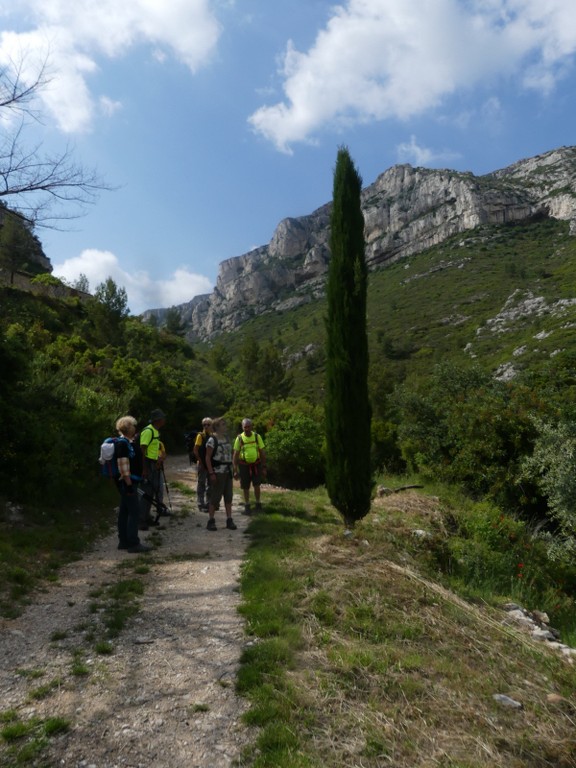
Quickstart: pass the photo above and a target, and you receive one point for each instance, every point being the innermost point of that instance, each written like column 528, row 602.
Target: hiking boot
column 211, row 525
column 258, row 507
column 139, row 548
column 247, row 509
column 122, row 546
column 230, row 524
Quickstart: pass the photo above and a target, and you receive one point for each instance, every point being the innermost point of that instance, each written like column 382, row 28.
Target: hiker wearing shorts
column 249, row 461
column 219, row 469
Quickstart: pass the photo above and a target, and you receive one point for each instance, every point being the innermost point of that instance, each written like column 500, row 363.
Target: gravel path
column 165, row 697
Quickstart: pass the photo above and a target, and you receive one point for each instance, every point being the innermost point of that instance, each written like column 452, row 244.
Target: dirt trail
column 165, row 698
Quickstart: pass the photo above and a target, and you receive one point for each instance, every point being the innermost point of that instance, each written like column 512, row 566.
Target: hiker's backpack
column 107, row 458
column 202, row 450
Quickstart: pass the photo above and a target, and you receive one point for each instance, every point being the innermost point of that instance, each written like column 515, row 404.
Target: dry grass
column 396, row 670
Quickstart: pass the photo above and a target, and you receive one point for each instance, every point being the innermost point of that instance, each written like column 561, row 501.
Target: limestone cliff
column 406, row 210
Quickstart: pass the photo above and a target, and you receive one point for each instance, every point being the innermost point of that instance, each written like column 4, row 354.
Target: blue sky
column 215, row 119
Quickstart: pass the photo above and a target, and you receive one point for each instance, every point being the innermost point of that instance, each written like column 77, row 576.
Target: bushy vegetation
column 69, row 369
column 295, row 452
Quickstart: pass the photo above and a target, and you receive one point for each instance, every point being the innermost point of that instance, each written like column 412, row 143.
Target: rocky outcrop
column 406, row 210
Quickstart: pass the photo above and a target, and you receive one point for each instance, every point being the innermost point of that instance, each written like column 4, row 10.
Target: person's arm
column 235, row 459
column 196, row 449
column 124, row 469
column 209, row 467
column 262, row 454
column 144, row 448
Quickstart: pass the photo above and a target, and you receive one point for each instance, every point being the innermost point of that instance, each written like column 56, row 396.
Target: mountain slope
column 407, row 211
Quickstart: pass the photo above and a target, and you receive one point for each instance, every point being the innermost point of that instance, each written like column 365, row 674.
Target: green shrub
column 294, row 450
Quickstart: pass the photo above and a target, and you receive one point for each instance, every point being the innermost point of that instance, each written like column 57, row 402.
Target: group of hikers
column 219, row 462
column 141, row 480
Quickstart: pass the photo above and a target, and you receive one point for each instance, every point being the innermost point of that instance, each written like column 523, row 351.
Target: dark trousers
column 201, row 485
column 153, row 488
column 128, row 516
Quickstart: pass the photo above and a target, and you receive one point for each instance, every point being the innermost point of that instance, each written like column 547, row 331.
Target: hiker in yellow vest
column 249, row 462
column 153, row 456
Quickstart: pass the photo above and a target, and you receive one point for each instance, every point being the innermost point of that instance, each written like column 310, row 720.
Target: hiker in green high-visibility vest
column 153, row 457
column 249, row 461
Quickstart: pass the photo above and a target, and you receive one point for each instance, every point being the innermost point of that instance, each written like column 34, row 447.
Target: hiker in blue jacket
column 129, row 464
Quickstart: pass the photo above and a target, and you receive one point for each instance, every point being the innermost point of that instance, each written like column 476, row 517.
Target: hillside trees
column 108, row 311
column 347, row 405
column 19, row 247
column 551, row 468
column 262, row 372
column 173, row 322
column 462, row 426
column 63, row 387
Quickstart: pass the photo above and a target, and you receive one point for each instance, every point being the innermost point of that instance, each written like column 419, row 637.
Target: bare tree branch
column 44, row 188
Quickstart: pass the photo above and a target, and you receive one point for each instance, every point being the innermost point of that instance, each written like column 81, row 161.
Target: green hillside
column 430, row 307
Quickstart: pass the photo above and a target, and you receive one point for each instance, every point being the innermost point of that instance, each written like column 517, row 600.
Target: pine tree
column 347, row 406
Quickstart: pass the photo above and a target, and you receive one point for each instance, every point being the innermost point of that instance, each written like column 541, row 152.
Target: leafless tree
column 45, row 188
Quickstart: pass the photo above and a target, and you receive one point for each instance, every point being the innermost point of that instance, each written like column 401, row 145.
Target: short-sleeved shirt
column 222, row 456
column 125, row 449
column 249, row 447
column 150, row 439
column 200, row 438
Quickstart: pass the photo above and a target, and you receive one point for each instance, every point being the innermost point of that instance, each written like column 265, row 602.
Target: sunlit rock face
column 406, row 210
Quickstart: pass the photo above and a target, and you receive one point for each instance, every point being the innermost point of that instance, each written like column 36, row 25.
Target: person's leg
column 202, row 493
column 228, row 493
column 146, row 498
column 158, row 484
column 216, row 489
column 122, row 521
column 161, row 484
column 256, row 480
column 244, row 472
column 133, row 517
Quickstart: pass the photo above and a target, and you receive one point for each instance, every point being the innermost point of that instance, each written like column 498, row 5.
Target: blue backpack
column 107, row 458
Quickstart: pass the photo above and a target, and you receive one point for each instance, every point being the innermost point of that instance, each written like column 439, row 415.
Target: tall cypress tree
column 347, row 406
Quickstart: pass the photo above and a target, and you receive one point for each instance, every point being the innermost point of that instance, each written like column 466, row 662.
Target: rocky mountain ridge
column 406, row 210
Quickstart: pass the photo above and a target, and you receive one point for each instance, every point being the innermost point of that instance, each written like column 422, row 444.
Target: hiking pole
column 153, row 503
column 167, row 490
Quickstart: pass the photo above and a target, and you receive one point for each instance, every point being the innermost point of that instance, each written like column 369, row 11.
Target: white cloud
column 143, row 291
column 412, row 152
column 108, row 106
column 380, row 59
column 75, row 36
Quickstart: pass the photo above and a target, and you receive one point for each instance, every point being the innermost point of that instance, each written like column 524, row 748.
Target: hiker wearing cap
column 249, row 462
column 200, row 454
column 152, row 466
